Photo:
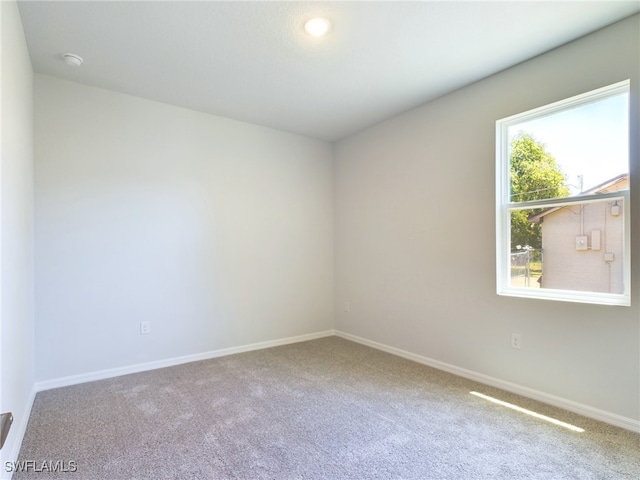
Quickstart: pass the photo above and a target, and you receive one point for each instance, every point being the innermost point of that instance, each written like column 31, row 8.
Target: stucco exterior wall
column 592, row 270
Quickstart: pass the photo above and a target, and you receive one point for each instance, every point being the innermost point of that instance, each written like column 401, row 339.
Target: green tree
column 535, row 175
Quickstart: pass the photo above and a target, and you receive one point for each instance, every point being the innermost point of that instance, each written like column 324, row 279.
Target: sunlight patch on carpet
column 528, row 412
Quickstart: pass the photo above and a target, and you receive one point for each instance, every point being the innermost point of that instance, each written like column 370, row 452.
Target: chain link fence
column 526, row 268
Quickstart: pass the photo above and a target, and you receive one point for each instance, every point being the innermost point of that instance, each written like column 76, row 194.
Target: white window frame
column 504, row 205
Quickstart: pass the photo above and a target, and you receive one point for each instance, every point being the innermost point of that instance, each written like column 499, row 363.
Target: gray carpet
column 324, row 409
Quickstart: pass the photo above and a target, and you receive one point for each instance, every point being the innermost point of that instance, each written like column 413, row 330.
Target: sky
column 590, row 140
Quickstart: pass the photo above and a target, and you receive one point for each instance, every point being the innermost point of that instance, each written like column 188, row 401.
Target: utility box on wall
column 581, row 242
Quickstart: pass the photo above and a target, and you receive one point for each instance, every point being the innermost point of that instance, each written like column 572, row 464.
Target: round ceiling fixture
column 72, row 59
column 317, row 26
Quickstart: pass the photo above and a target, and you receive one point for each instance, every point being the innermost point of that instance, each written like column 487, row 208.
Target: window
column 562, row 196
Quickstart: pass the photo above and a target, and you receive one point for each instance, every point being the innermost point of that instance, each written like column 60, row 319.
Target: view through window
column 563, row 197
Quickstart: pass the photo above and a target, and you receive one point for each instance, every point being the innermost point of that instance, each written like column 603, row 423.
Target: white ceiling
column 252, row 61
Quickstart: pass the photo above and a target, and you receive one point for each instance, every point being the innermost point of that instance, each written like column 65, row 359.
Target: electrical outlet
column 347, row 306
column 145, row 328
column 516, row 340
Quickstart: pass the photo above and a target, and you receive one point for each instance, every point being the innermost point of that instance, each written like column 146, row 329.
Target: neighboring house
column 583, row 245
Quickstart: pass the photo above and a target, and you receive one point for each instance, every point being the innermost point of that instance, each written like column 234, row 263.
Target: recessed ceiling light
column 317, row 26
column 72, row 59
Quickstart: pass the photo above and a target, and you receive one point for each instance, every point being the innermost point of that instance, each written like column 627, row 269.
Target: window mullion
column 575, row 200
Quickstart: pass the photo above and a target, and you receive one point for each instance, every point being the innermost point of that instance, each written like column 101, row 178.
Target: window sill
column 568, row 296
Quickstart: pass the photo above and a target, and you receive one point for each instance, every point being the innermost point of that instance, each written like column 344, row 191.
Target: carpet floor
column 323, row 409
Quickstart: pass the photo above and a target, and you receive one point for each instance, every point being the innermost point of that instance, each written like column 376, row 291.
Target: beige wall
column 16, row 229
column 218, row 232
column 567, row 268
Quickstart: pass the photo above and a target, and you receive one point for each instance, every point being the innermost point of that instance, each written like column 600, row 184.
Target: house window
column 562, row 195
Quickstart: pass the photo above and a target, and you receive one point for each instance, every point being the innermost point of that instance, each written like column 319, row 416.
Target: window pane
column 574, row 151
column 573, row 247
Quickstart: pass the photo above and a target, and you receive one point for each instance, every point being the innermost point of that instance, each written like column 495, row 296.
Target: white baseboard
column 581, row 409
column 585, row 410
column 21, row 430
column 170, row 362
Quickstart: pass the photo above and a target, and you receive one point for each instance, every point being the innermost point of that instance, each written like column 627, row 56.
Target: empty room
column 319, row 240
